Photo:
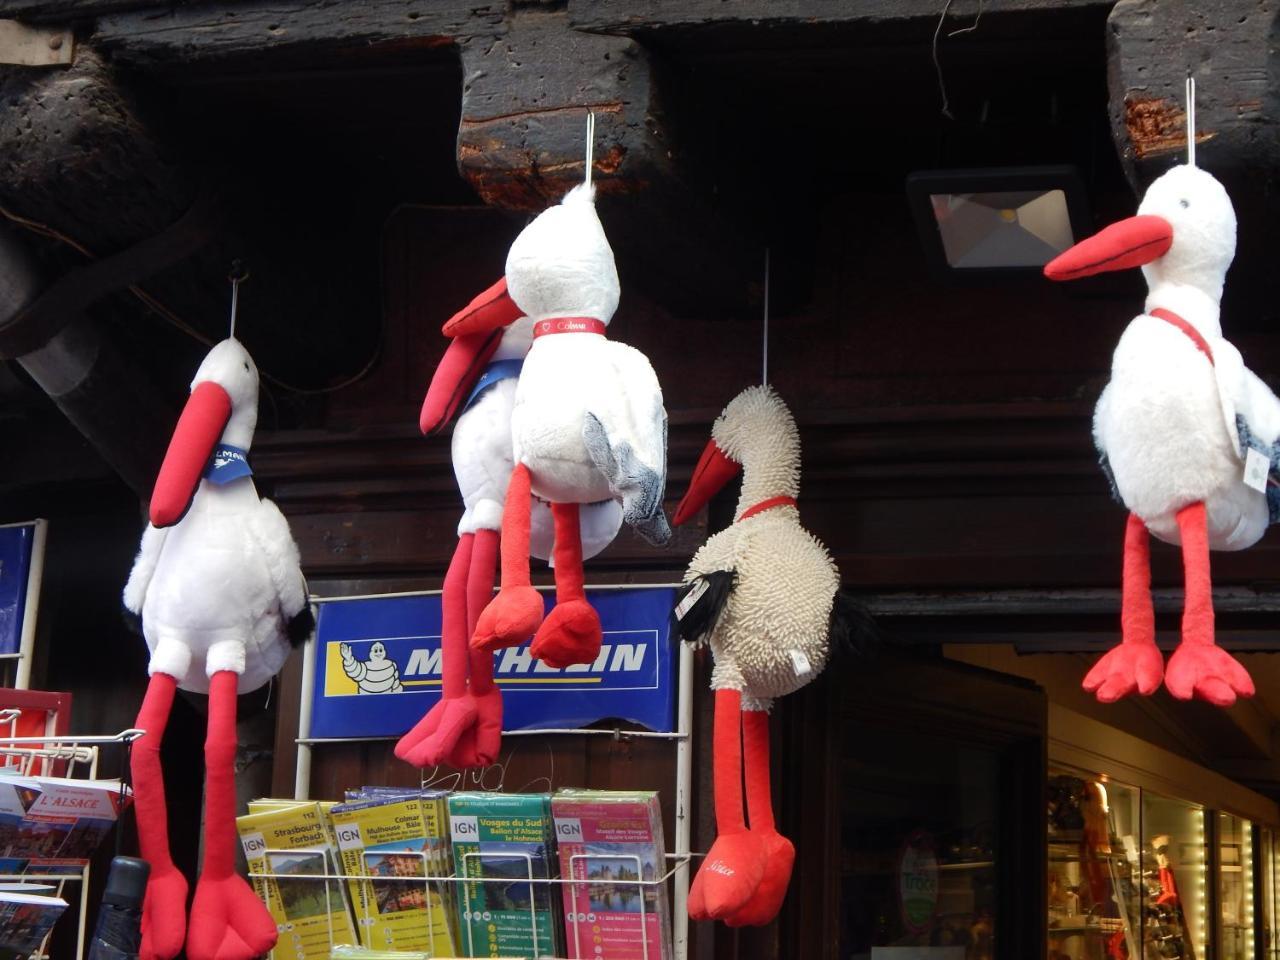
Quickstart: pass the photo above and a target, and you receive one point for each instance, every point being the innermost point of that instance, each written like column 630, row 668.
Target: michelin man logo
column 378, row 674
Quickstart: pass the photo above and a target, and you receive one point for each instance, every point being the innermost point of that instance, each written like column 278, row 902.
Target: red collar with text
column 764, row 505
column 568, row 325
column 1194, row 335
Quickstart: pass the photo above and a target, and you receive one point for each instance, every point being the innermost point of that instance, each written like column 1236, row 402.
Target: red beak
column 491, row 310
column 459, row 369
column 203, row 419
column 476, row 330
column 1129, row 243
column 713, row 471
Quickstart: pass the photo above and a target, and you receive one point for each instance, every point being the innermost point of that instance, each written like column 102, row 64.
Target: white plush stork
column 765, row 594
column 220, row 593
column 1175, row 427
column 587, row 425
column 478, row 376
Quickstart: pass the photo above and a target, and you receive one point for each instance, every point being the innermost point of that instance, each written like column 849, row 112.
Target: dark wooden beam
column 642, row 16
column 65, row 11
column 1226, row 45
column 525, row 98
column 197, row 32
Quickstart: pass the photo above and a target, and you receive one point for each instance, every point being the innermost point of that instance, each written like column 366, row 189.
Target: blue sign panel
column 378, row 668
column 15, row 569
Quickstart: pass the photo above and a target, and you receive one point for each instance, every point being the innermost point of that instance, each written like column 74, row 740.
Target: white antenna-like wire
column 764, row 372
column 239, row 273
column 235, row 303
column 591, row 145
column 1191, row 120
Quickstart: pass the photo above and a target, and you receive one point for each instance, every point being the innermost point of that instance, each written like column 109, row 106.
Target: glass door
column 938, row 803
column 1174, row 866
column 1095, row 891
column 1236, row 931
column 920, row 849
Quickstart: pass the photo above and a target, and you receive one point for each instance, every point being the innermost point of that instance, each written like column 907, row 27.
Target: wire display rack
column 75, row 751
column 681, row 738
column 458, row 887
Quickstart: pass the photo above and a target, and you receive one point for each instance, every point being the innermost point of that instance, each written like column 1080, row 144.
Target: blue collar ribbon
column 495, row 372
column 227, row 463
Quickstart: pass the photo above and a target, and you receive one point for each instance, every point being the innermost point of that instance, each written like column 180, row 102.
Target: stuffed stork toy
column 765, row 594
column 1186, row 432
column 587, row 426
column 477, row 376
column 220, row 593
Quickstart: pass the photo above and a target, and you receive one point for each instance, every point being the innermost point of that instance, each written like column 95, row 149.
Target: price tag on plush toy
column 1256, row 467
column 692, row 597
column 800, row 663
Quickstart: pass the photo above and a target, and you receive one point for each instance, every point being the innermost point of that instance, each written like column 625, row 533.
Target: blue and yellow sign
column 378, row 665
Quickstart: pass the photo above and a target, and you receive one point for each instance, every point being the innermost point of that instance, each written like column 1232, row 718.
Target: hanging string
column 937, row 63
column 591, row 144
column 237, row 276
column 764, row 371
column 1191, row 119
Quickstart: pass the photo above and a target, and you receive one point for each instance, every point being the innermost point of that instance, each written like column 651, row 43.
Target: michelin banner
column 378, row 667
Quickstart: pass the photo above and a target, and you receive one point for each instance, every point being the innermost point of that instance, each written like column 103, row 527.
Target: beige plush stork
column 763, row 593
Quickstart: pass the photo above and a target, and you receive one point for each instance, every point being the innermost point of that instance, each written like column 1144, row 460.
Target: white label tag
column 692, row 597
column 349, row 837
column 465, row 829
column 800, row 663
column 1256, row 468
column 569, row 830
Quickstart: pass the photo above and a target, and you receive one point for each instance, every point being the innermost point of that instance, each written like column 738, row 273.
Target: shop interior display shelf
column 335, row 886
column 74, row 751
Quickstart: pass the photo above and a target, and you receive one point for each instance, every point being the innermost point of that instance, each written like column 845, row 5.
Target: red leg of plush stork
column 164, row 911
column 1136, row 663
column 571, row 633
column 478, row 745
column 515, row 613
column 734, row 866
column 434, row 736
column 1199, row 667
column 484, row 692
column 228, row 921
column 779, row 853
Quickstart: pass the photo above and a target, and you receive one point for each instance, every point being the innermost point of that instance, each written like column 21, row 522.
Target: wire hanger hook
column 238, row 275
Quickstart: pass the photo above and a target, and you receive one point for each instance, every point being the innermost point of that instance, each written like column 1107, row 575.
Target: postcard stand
column 73, row 750
column 335, row 884
column 678, row 874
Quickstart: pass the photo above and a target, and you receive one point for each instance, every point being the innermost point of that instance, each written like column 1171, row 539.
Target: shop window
column 1095, row 869
column 1235, row 888
column 1127, row 874
column 1173, row 873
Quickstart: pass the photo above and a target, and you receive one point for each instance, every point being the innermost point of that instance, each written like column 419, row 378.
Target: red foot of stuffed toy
column 780, row 857
column 228, row 921
column 728, row 878
column 485, row 739
column 434, row 737
column 510, row 619
column 1129, row 667
column 571, row 634
column 473, row 744
column 1207, row 672
column 164, row 915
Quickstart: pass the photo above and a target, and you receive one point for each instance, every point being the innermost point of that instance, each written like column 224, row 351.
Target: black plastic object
column 118, row 935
